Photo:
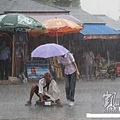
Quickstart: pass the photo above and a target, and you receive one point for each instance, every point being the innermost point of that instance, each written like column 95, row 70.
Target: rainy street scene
column 59, row 60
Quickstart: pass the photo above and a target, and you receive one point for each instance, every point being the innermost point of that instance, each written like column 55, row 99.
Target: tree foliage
column 46, row 1
column 63, row 3
column 75, row 3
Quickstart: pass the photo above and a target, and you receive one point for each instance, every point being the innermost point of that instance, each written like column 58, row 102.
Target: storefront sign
column 36, row 70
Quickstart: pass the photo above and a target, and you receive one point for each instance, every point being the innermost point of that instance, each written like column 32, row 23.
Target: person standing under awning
column 4, row 60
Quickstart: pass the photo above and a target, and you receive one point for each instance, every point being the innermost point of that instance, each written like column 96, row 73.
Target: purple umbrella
column 49, row 50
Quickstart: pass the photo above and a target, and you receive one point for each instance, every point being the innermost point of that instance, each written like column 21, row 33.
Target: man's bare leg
column 32, row 91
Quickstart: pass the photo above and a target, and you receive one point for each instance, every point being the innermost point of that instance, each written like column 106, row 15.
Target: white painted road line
column 90, row 115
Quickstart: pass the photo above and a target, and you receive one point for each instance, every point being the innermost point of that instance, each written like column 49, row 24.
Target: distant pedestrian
column 97, row 60
column 5, row 59
column 52, row 68
column 88, row 62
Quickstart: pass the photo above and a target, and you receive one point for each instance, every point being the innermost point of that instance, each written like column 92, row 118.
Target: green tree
column 46, row 1
column 63, row 3
column 76, row 3
column 67, row 3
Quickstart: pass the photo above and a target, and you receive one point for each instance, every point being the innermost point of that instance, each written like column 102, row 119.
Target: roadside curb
column 8, row 82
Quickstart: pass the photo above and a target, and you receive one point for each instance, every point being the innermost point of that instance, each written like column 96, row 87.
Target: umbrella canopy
column 36, row 32
column 14, row 21
column 49, row 50
column 61, row 26
column 58, row 27
column 11, row 21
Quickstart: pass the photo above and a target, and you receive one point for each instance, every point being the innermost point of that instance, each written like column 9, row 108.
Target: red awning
column 106, row 37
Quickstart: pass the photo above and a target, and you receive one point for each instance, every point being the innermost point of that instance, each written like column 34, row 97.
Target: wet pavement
column 89, row 99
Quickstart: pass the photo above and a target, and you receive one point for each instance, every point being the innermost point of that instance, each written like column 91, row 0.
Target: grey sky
column 109, row 7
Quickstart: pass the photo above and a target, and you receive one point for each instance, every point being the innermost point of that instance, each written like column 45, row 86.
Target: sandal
column 28, row 103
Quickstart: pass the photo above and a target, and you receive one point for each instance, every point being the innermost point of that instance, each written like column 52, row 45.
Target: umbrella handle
column 57, row 37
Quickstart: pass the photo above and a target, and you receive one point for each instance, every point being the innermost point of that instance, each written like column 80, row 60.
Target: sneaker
column 58, row 103
column 28, row 103
column 71, row 103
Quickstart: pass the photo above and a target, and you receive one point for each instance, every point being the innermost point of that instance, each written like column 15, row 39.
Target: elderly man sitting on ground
column 47, row 89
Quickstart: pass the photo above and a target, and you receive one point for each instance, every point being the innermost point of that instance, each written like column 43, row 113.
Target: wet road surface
column 89, row 99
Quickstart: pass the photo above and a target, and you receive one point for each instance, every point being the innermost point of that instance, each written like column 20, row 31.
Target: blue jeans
column 70, row 84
